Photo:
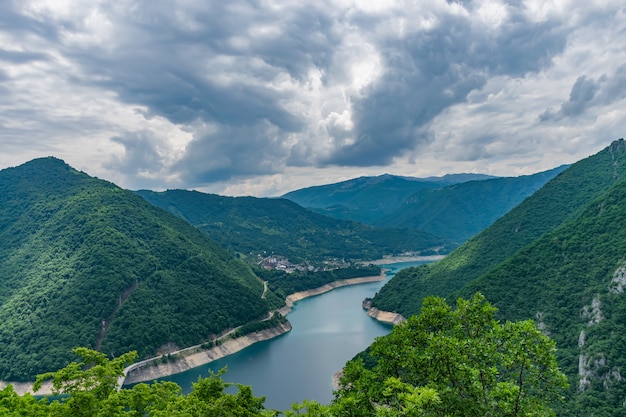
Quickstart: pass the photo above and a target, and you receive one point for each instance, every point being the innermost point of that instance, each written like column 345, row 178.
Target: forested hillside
column 367, row 199
column 250, row 226
column 85, row 263
column 448, row 361
column 559, row 200
column 572, row 281
column 558, row 258
column 458, row 212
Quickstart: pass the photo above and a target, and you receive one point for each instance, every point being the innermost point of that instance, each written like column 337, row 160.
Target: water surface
column 328, row 330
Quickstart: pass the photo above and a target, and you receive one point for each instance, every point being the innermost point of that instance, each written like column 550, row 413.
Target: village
column 282, row 263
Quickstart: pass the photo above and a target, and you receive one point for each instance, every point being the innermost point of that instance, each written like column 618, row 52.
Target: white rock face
column 619, row 281
column 593, row 312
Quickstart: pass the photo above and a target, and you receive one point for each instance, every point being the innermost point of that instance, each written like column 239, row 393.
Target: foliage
column 93, row 393
column 561, row 199
column 368, row 199
column 458, row 212
column 455, row 362
column 567, row 279
column 85, row 263
column 555, row 258
column 283, row 283
column 445, row 362
column 252, row 226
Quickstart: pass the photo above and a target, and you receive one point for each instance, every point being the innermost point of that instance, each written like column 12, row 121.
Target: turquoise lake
column 328, row 330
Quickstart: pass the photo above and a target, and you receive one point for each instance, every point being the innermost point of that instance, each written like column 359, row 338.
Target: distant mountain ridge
column 454, row 207
column 86, row 263
column 367, row 199
column 460, row 211
column 250, row 225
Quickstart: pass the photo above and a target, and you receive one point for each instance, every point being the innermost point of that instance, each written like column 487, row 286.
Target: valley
column 186, row 278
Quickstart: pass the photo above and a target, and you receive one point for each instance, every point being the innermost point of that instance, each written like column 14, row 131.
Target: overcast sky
column 261, row 97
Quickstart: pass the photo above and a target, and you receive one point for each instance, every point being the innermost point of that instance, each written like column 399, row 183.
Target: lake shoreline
column 148, row 370
column 400, row 259
column 151, row 372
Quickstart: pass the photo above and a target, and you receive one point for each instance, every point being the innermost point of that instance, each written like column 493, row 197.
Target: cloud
column 427, row 70
column 218, row 152
column 587, row 93
column 211, row 93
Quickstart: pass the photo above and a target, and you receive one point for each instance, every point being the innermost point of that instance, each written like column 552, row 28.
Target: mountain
column 561, row 199
column 557, row 258
column 86, row 263
column 367, row 199
column 251, row 226
column 572, row 281
column 460, row 211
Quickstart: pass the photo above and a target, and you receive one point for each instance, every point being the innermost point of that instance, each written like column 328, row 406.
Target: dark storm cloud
column 430, row 71
column 587, row 93
column 18, row 57
column 220, row 152
column 176, row 71
column 14, row 21
column 256, row 87
column 206, row 67
column 140, row 152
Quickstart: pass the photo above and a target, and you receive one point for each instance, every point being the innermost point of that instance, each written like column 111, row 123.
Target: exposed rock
column 592, row 313
column 385, row 316
column 581, row 339
column 154, row 370
column 22, row 388
column 541, row 325
column 618, row 281
column 588, row 369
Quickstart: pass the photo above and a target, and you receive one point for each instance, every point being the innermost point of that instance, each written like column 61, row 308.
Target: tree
column 90, row 388
column 455, row 362
column 87, row 383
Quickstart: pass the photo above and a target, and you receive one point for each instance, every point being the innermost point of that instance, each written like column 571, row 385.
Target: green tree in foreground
column 445, row 362
column 90, row 388
column 455, row 362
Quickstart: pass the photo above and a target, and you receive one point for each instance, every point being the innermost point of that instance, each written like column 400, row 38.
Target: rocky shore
column 382, row 316
column 293, row 298
column 157, row 368
column 399, row 259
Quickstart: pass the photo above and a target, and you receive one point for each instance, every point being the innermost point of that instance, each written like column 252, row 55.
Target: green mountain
column 251, row 226
column 86, row 263
column 367, row 199
column 561, row 199
column 572, row 281
column 460, row 211
column 559, row 258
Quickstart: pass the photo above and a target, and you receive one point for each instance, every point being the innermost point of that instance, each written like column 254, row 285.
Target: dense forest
column 558, row 258
column 460, row 211
column 283, row 283
column 453, row 207
column 250, row 226
column 86, row 263
column 560, row 200
column 368, row 199
column 447, row 361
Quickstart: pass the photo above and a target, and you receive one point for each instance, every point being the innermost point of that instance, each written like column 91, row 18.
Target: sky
column 261, row 97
